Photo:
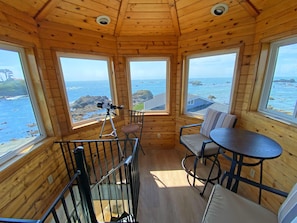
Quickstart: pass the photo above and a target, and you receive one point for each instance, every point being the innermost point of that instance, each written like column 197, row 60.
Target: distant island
column 196, row 83
column 87, row 105
column 286, row 80
column 11, row 87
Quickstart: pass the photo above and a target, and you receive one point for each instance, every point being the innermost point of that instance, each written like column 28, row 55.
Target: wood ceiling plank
column 192, row 22
column 88, row 8
column 151, row 15
column 8, row 9
column 151, row 22
column 185, row 3
column 69, row 7
column 74, row 19
column 148, row 7
column 115, row 4
column 121, row 17
column 46, row 9
column 148, row 1
column 30, row 7
column 174, row 17
column 249, row 7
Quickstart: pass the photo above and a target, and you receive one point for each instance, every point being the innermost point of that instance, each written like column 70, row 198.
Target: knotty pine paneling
column 22, row 198
column 238, row 34
column 276, row 22
column 25, row 192
column 146, row 47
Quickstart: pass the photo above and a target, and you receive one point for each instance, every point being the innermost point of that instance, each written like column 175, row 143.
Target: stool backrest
column 216, row 119
column 136, row 117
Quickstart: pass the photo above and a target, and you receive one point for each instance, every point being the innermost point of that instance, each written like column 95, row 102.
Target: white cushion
column 224, row 206
column 287, row 213
column 194, row 143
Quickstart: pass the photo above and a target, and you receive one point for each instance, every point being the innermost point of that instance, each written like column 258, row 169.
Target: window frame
column 111, row 77
column 185, row 78
column 271, row 59
column 29, row 67
column 167, row 90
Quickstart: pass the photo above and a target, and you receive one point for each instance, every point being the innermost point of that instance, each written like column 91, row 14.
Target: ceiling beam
column 249, row 7
column 121, row 17
column 46, row 9
column 174, row 16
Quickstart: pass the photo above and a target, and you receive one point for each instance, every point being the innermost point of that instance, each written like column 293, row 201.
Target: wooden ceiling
column 140, row 17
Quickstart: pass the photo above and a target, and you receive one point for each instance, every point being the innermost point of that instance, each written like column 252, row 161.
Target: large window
column 149, row 84
column 208, row 82
column 20, row 124
column 279, row 94
column 87, row 82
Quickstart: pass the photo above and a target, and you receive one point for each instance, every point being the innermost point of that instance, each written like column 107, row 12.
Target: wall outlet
column 158, row 135
column 252, row 173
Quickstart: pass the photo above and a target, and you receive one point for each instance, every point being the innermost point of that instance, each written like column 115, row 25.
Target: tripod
column 113, row 132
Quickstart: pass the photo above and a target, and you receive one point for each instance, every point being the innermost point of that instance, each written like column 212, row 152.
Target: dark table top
column 246, row 143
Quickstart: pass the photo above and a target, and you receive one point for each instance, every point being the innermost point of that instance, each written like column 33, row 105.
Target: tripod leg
column 102, row 128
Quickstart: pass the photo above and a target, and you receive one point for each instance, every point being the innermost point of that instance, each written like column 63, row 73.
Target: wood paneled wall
column 153, row 124
column 281, row 172
column 227, row 35
column 25, row 191
column 277, row 22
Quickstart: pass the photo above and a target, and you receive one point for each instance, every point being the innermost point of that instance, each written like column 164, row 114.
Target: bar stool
column 135, row 126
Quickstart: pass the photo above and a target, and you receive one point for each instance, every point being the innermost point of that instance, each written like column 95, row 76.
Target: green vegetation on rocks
column 12, row 88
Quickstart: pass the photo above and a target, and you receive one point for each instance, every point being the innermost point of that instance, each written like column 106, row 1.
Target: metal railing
column 67, row 207
column 103, row 183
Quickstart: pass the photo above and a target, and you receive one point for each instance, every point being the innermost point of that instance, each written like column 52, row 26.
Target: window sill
column 16, row 158
column 274, row 118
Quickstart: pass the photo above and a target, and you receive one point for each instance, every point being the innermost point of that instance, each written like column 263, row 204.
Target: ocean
column 17, row 118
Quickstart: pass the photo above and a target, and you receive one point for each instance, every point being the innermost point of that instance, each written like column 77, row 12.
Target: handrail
column 110, row 172
column 17, row 220
column 50, row 209
column 96, row 171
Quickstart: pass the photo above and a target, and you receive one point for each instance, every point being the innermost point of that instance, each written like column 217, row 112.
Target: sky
column 145, row 70
column 213, row 66
column 84, row 69
column 287, row 62
column 10, row 60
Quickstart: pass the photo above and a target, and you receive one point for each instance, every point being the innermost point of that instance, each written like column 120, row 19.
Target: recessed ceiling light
column 219, row 9
column 103, row 20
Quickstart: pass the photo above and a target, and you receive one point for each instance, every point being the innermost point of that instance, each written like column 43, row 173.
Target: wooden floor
column 165, row 193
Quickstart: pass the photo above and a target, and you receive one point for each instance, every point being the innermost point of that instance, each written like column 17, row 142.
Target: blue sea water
column 17, row 118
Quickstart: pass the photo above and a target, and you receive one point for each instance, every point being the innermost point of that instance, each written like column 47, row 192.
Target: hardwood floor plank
column 165, row 193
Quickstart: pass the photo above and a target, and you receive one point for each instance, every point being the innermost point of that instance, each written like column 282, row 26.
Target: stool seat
column 131, row 128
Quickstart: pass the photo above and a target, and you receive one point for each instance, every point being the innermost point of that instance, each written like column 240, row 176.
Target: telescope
column 108, row 105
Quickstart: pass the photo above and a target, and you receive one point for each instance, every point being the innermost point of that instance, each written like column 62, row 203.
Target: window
column 20, row 121
column 279, row 94
column 87, row 82
column 149, row 84
column 209, row 81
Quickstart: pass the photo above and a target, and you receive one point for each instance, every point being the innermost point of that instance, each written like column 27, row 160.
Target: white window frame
column 269, row 75
column 22, row 148
column 167, row 90
column 112, row 85
column 186, row 78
